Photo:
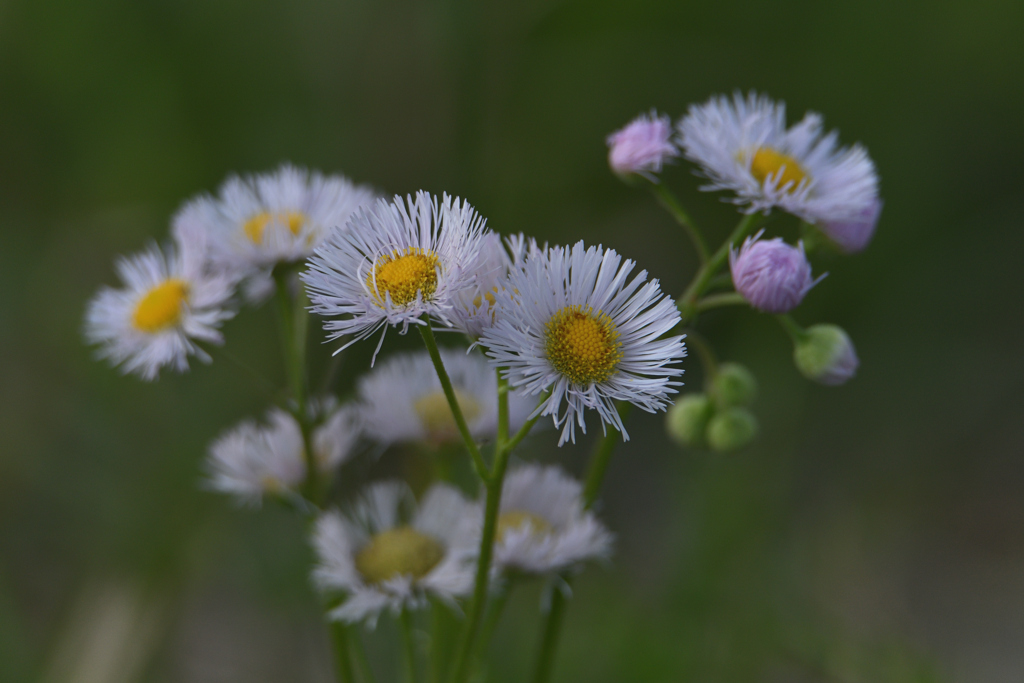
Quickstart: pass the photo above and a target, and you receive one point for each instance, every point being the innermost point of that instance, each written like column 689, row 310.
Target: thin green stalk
column 494, row 612
column 525, row 429
column 265, row 386
column 549, row 639
column 365, row 672
column 688, row 301
column 502, row 436
column 672, row 205
column 707, row 355
column 408, row 645
column 599, row 460
column 795, row 332
column 446, row 384
column 720, row 300
column 342, row 655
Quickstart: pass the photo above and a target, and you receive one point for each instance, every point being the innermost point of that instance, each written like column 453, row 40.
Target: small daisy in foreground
column 474, row 308
column 772, row 275
column 642, row 147
column 542, row 526
column 381, row 560
column 396, row 263
column 252, row 459
column 168, row 302
column 743, row 145
column 260, row 220
column 402, row 400
column 571, row 323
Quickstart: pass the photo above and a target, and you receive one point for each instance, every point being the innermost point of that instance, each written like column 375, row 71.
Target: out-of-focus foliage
column 870, row 534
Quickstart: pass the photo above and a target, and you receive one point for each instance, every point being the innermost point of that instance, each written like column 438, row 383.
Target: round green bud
column 826, row 355
column 734, row 385
column 731, row 429
column 687, row 419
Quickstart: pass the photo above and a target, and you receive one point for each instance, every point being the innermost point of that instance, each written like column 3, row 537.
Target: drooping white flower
column 401, row 399
column 389, row 554
column 542, row 526
column 258, row 221
column 396, row 263
column 253, row 459
column 743, row 145
column 168, row 302
column 572, row 323
column 643, row 146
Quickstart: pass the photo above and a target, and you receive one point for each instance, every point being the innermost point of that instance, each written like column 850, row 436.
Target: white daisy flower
column 395, row 264
column 542, row 526
column 262, row 220
column 168, row 302
column 251, row 460
column 743, row 145
column 569, row 322
column 381, row 560
column 402, row 400
column 474, row 309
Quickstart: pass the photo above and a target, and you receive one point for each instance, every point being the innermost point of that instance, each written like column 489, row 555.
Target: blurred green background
column 873, row 533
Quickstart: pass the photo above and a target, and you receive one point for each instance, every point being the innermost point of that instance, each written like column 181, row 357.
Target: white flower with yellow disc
column 388, row 553
column 397, row 263
column 401, row 399
column 743, row 145
column 542, row 526
column 258, row 221
column 251, row 460
column 168, row 302
column 572, row 323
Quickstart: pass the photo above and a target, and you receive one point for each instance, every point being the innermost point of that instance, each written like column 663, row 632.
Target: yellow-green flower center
column 769, row 162
column 514, row 520
column 161, row 306
column 583, row 344
column 257, row 225
column 403, row 275
column 436, row 415
column 401, row 551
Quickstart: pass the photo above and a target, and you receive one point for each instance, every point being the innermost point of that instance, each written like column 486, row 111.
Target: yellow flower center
column 769, row 162
column 436, row 415
column 257, row 225
column 513, row 520
column 161, row 307
column 583, row 344
column 401, row 551
column 403, row 275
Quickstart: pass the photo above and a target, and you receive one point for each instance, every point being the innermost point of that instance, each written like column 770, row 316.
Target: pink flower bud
column 772, row 275
column 643, row 146
column 853, row 234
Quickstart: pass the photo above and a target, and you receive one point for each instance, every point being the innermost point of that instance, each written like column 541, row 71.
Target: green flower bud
column 731, row 429
column 826, row 355
column 734, row 385
column 687, row 419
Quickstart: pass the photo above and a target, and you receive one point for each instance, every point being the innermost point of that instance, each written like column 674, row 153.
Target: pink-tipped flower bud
column 772, row 275
column 642, row 147
column 853, row 234
column 826, row 355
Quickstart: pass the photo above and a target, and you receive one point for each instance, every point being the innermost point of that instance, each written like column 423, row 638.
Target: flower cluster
column 572, row 332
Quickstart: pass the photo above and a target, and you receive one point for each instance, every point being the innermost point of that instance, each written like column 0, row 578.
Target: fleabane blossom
column 743, row 145
column 572, row 323
column 388, row 554
column 256, row 222
column 397, row 263
column 169, row 301
column 853, row 234
column 642, row 147
column 401, row 399
column 474, row 307
column 542, row 525
column 252, row 460
column 772, row 275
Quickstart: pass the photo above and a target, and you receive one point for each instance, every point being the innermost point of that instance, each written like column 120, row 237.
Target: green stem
column 707, row 355
column 365, row 672
column 672, row 205
column 446, row 384
column 599, row 460
column 549, row 639
column 408, row 645
column 688, row 301
column 497, row 607
column 720, row 300
column 502, row 410
column 342, row 655
column 795, row 332
column 525, row 429
column 265, row 386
